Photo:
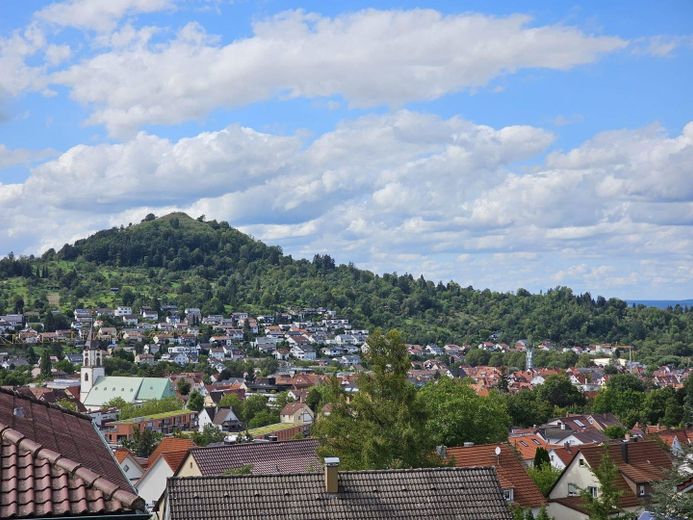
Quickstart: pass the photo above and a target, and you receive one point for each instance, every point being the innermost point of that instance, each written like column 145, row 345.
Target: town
column 175, row 393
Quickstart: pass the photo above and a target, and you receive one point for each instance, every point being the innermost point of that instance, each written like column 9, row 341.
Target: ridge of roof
column 30, row 397
column 74, row 469
column 239, row 445
column 349, row 472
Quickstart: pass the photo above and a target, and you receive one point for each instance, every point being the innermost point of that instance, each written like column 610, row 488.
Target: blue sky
column 499, row 144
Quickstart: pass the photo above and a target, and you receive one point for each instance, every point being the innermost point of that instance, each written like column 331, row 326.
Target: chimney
column 624, row 452
column 468, row 444
column 331, row 474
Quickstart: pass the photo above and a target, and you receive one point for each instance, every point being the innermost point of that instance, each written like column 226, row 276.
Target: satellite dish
column 498, row 451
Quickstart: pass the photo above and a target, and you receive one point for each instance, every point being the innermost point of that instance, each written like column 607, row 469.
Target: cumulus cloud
column 368, row 57
column 404, row 191
column 97, row 15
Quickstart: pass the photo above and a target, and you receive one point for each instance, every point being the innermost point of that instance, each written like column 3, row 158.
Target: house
column 527, row 445
column 122, row 311
column 162, row 464
column 295, row 456
column 217, row 353
column 442, row 493
column 518, row 488
column 303, row 351
column 66, row 471
column 297, row 413
column 98, row 389
column 131, row 464
column 640, row 464
column 164, row 423
column 223, row 419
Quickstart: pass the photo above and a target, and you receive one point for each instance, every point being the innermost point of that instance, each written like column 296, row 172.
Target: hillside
column 210, row 265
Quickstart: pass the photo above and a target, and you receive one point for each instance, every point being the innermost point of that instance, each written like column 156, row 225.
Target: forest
column 176, row 259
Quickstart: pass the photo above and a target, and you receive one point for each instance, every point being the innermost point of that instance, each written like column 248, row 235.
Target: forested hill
column 210, row 265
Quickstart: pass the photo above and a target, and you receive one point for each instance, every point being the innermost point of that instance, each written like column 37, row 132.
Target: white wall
column 153, row 483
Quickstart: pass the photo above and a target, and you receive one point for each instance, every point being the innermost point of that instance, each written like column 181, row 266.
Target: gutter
column 118, row 516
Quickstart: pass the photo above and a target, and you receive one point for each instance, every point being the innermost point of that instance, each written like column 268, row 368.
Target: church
column 96, row 388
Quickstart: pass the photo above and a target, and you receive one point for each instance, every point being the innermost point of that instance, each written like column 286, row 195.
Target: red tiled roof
column 174, row 458
column 527, row 444
column 510, row 469
column 54, row 463
column 167, row 445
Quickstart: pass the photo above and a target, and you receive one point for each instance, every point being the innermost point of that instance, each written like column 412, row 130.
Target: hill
column 208, row 264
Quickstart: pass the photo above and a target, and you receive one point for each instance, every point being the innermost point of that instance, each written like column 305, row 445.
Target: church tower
column 92, row 365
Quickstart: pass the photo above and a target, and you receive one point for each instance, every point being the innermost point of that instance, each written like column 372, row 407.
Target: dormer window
column 572, row 490
column 642, row 490
column 508, row 494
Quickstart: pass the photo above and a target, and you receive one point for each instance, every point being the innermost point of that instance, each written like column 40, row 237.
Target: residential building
column 164, row 423
column 162, row 464
column 296, row 413
column 294, row 456
column 640, row 464
column 441, row 493
column 517, row 486
column 223, row 419
column 65, row 470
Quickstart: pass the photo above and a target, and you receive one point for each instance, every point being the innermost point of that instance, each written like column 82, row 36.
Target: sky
column 497, row 144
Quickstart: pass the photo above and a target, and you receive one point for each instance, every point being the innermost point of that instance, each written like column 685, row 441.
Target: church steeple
column 92, row 364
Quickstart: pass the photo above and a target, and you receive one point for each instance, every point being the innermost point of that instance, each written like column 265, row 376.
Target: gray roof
column 299, row 456
column 459, row 493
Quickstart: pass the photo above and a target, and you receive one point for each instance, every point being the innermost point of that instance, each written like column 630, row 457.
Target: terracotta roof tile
column 444, row 493
column 54, row 462
column 169, row 444
column 511, row 471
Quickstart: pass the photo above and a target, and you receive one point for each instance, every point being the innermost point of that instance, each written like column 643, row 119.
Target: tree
column 183, row 386
column 31, row 356
column 605, row 505
column 615, row 431
column 559, row 391
column 621, row 396
column 456, row 414
column 667, row 501
column 544, row 476
column 143, row 442
column 68, row 404
column 208, row 435
column 64, row 365
column 526, row 409
column 543, row 515
column 541, row 457
column 196, row 402
column 45, row 364
column 232, row 401
column 381, row 427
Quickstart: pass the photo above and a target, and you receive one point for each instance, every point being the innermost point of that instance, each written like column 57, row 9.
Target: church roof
column 130, row 389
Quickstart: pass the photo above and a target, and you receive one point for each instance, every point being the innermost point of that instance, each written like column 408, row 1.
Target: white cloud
column 404, row 191
column 369, row 57
column 21, row 156
column 97, row 15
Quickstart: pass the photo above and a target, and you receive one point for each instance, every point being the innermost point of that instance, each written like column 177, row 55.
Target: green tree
column 559, row 391
column 196, row 401
column 64, row 365
column 382, row 425
column 143, row 442
column 68, row 404
column 526, row 409
column 456, row 414
column 541, row 457
column 544, row 476
column 45, row 364
column 615, row 431
column 183, row 386
column 621, row 396
column 667, row 501
column 208, row 435
column 605, row 505
column 543, row 515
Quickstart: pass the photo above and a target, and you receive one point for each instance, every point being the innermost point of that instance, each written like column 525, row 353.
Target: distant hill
column 208, row 264
column 661, row 304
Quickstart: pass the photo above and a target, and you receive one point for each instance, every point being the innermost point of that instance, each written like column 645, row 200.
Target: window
column 126, row 468
column 536, row 442
column 581, row 462
column 579, row 423
column 593, row 490
column 642, row 491
column 572, row 490
column 86, row 376
column 524, row 444
column 508, row 494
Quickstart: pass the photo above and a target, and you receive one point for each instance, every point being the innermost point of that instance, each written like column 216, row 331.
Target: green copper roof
column 130, row 389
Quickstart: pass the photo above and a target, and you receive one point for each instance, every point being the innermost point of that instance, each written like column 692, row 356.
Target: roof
column 130, row 389
column 153, row 417
column 299, row 456
column 511, row 470
column 292, row 408
column 527, row 444
column 641, row 462
column 462, row 493
column 174, row 458
column 54, row 462
column 168, row 445
column 223, row 415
